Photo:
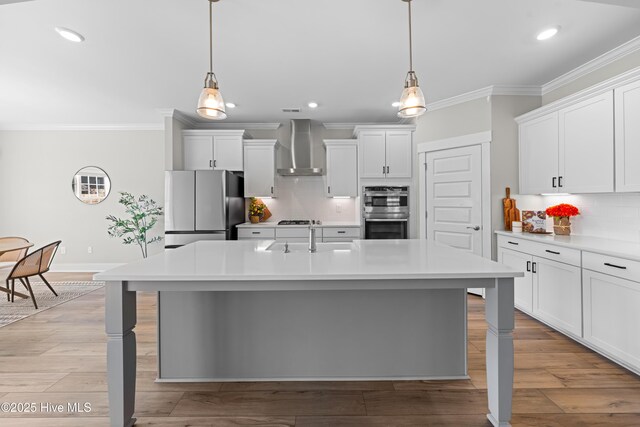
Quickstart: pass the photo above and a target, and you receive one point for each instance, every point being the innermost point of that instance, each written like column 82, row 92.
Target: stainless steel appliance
column 294, row 222
column 202, row 205
column 385, row 212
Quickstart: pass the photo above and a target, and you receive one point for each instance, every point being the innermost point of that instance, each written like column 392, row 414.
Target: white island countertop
column 269, row 224
column 248, row 260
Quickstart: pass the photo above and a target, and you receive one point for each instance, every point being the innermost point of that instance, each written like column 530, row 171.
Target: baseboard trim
column 290, row 379
column 84, row 267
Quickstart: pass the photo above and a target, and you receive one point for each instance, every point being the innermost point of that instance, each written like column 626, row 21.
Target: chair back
column 37, row 262
column 13, row 255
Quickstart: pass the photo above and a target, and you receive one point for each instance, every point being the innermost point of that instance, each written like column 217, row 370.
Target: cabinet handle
column 513, row 243
column 553, row 182
column 341, row 232
column 387, row 169
column 255, row 232
column 552, row 252
column 210, row 163
column 383, row 169
column 272, row 190
column 621, row 267
column 533, row 267
column 329, row 189
column 560, row 181
column 214, row 163
column 528, row 265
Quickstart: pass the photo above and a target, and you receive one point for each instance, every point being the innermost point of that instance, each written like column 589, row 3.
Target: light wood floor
column 58, row 356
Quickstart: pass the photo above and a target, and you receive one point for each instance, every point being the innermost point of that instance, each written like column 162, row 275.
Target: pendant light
column 210, row 104
column 412, row 103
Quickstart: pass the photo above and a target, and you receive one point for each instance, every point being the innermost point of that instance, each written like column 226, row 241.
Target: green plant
column 256, row 208
column 143, row 215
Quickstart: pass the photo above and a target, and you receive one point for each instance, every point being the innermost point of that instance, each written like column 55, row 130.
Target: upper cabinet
column 569, row 150
column 342, row 168
column 627, row 126
column 385, row 152
column 213, row 149
column 260, row 168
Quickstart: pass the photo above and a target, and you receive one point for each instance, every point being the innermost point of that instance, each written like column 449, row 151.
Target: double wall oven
column 385, row 212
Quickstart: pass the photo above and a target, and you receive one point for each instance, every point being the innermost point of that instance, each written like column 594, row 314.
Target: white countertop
column 247, row 260
column 268, row 224
column 600, row 245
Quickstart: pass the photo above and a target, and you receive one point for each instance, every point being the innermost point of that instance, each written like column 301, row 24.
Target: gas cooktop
column 294, row 222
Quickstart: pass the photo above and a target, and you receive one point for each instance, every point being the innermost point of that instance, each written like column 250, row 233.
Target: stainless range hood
column 300, row 150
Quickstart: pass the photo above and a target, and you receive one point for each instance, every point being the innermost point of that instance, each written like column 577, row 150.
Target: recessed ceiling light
column 395, row 104
column 313, row 105
column 547, row 33
column 230, row 105
column 70, row 35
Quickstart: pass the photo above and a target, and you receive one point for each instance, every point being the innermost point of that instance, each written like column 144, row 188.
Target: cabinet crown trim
column 339, row 142
column 358, row 129
column 260, row 142
column 209, row 132
column 595, row 90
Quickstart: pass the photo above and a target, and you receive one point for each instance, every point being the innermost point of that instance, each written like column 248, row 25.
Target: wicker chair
column 8, row 259
column 35, row 264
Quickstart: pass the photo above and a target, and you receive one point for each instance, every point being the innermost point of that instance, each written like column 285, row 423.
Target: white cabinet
column 557, row 294
column 627, row 137
column 342, row 168
column 340, row 234
column 256, row 233
column 213, row 149
column 260, row 168
column 539, row 155
column 586, row 146
column 569, row 150
column 385, row 153
column 523, row 286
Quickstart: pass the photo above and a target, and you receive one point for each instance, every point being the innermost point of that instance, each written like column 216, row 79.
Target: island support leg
column 500, row 320
column 120, row 319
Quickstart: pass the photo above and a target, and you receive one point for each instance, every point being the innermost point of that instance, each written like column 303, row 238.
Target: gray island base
column 235, row 311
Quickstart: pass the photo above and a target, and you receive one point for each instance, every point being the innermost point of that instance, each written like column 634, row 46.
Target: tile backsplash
column 303, row 197
column 615, row 216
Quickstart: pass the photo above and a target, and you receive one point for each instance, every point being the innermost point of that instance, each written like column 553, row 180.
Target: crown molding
column 495, row 90
column 83, row 127
column 232, row 126
column 351, row 126
column 593, row 65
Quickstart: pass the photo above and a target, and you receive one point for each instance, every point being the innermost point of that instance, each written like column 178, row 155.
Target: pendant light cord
column 210, row 36
column 410, row 39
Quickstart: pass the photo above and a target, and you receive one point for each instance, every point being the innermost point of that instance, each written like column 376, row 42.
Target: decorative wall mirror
column 91, row 185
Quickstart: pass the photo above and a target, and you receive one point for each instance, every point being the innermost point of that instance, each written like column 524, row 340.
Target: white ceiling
column 350, row 56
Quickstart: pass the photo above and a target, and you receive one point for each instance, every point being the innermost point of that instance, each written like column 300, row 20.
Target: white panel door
column 259, row 171
column 611, row 315
column 198, row 152
column 227, row 153
column 539, row 155
column 342, row 171
column 557, row 294
column 454, row 198
column 372, row 154
column 398, row 154
column 586, row 146
column 523, row 286
column 627, row 135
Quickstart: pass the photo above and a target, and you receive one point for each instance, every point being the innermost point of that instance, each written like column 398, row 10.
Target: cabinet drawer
column 557, row 253
column 256, row 233
column 296, row 232
column 613, row 266
column 351, row 232
column 515, row 244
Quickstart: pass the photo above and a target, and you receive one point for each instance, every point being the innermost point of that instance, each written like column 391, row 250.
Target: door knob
column 476, row 228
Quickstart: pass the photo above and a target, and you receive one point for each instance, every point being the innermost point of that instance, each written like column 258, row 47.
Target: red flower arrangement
column 563, row 210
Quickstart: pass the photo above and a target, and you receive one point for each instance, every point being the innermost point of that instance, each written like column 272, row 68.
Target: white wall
column 36, row 168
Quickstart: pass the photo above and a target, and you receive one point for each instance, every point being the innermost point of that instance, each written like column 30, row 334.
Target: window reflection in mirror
column 91, row 185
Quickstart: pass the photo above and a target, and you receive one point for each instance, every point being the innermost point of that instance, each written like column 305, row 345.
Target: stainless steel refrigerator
column 202, row 205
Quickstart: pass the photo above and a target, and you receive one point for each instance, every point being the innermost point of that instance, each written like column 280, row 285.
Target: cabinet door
column 198, row 152
column 227, row 153
column 611, row 315
column 523, row 286
column 586, row 146
column 259, row 171
column 557, row 294
column 627, row 135
column 372, row 154
column 398, row 154
column 539, row 155
column 342, row 171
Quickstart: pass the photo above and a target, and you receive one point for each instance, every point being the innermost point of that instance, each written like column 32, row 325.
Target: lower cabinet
column 557, row 294
column 523, row 286
column 612, row 316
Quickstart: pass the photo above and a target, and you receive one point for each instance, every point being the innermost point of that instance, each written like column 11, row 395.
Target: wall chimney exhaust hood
column 300, row 150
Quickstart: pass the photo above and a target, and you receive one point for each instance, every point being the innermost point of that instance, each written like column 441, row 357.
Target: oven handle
column 381, row 194
column 387, row 220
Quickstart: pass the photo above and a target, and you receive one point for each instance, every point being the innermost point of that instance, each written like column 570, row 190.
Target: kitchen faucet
column 312, row 236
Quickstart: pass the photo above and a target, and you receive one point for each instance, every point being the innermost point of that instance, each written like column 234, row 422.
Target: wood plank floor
column 58, row 356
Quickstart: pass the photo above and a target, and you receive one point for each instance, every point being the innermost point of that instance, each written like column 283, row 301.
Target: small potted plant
column 561, row 218
column 256, row 209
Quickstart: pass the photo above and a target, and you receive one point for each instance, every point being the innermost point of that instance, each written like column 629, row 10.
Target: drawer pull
column 552, row 252
column 621, row 267
column 533, row 268
column 513, row 243
column 528, row 265
column 341, row 232
column 255, row 232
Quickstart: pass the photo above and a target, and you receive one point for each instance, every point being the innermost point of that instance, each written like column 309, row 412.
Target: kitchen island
column 371, row 309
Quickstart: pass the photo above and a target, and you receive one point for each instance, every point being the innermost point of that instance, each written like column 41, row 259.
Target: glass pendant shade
column 211, row 105
column 412, row 102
